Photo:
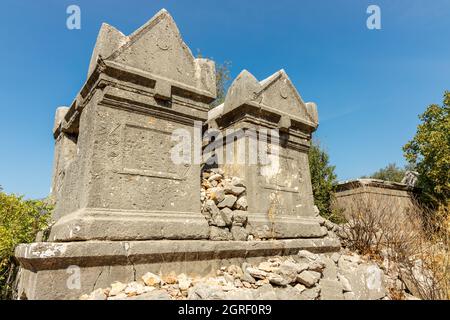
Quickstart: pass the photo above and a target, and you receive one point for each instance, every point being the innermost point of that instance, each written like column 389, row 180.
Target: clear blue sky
column 369, row 85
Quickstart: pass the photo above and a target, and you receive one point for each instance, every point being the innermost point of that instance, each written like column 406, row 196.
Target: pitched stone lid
column 274, row 94
column 155, row 49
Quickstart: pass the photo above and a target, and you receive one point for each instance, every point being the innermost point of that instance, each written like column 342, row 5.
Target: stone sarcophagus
column 114, row 177
column 125, row 206
column 383, row 197
column 265, row 130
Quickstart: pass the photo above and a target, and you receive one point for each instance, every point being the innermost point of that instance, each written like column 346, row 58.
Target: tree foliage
column 390, row 173
column 323, row 181
column 20, row 221
column 429, row 152
column 222, row 79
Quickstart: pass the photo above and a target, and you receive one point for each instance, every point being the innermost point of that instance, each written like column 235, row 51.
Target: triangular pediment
column 276, row 93
column 157, row 49
column 279, row 93
column 243, row 89
column 109, row 40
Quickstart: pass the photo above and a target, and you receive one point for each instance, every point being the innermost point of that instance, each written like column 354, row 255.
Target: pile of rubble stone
column 224, row 205
column 305, row 276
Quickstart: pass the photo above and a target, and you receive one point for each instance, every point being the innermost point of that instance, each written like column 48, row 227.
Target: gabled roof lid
column 156, row 48
column 275, row 93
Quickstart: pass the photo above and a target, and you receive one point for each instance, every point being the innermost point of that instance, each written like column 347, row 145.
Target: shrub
column 20, row 221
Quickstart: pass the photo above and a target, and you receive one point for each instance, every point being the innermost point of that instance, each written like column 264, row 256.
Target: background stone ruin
column 373, row 192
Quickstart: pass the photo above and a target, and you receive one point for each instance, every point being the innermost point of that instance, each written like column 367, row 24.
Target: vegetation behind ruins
column 20, row 221
column 429, row 153
column 408, row 242
column 390, row 173
column 223, row 78
column 417, row 242
column 323, row 180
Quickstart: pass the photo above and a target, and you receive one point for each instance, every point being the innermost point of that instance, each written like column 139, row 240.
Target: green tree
column 429, row 152
column 20, row 221
column 390, row 173
column 323, row 181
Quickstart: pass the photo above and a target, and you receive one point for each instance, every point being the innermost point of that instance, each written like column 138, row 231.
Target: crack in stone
column 126, row 247
column 96, row 280
column 134, row 270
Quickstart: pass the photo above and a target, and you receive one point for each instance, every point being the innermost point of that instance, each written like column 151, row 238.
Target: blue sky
column 369, row 85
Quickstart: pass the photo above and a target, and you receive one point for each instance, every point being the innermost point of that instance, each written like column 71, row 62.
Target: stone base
column 51, row 270
column 285, row 227
column 123, row 225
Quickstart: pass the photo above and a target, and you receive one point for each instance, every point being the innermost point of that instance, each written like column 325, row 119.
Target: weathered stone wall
column 399, row 197
column 74, row 185
column 137, row 173
column 48, row 268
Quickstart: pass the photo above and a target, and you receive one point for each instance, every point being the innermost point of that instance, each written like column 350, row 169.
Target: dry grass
column 415, row 240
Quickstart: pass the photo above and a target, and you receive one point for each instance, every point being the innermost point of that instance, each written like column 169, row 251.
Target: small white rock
column 116, row 288
column 151, row 279
column 308, row 255
column 184, row 283
column 256, row 273
column 300, row 287
column 134, row 289
column 345, row 283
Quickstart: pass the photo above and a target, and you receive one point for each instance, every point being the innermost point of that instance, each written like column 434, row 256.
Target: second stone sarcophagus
column 265, row 131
